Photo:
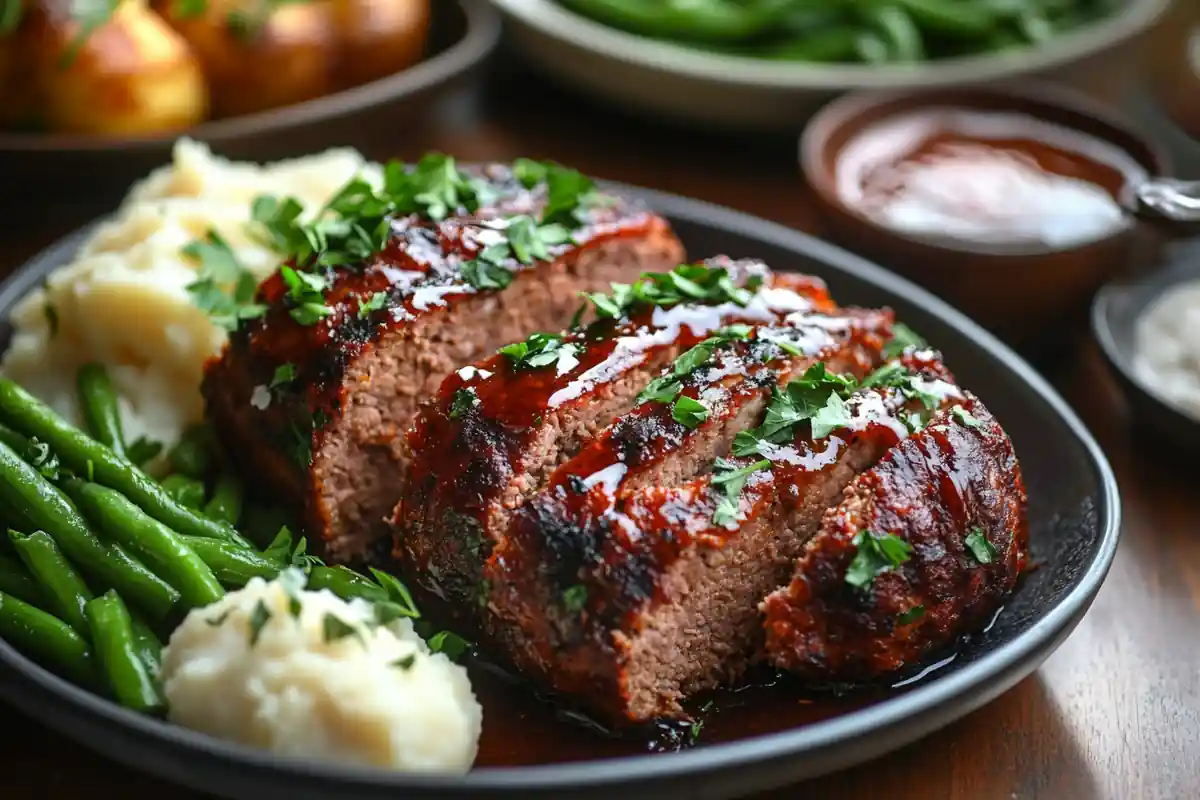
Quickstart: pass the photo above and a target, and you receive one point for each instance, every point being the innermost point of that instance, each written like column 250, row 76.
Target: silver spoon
column 1169, row 199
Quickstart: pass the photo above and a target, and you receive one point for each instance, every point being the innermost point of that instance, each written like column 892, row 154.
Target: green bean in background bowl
column 848, row 31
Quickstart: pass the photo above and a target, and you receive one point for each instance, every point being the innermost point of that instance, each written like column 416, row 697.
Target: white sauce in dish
column 1166, row 344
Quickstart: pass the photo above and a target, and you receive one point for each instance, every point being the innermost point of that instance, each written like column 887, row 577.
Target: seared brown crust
column 330, row 440
column 473, row 466
column 956, row 476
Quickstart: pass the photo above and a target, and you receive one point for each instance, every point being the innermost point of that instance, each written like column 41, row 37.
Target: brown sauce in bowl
column 989, row 179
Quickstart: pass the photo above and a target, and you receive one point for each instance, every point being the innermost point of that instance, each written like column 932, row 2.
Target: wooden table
column 1115, row 713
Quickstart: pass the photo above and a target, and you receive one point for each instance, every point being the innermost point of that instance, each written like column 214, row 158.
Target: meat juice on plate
column 999, row 180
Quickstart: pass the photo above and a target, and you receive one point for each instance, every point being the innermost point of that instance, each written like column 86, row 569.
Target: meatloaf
column 923, row 546
column 620, row 540
column 315, row 408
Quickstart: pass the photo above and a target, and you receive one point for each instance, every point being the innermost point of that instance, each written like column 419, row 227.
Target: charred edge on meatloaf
column 957, row 477
column 495, row 432
column 282, row 431
column 565, row 628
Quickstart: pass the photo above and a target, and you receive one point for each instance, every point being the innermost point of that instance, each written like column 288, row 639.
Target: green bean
column 117, row 651
column 156, row 544
column 46, row 639
column 838, row 43
column 898, row 31
column 195, row 452
column 14, row 440
column 346, row 584
column 226, row 502
column 25, row 413
column 948, row 18
column 188, row 492
column 50, row 510
column 66, row 594
column 234, row 566
column 147, row 646
column 100, row 406
column 699, row 20
column 15, row 580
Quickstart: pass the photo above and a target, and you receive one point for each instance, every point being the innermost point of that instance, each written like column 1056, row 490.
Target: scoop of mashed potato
column 307, row 674
column 123, row 301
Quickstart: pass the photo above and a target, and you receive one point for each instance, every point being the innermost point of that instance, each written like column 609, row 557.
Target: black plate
column 1075, row 518
column 1115, row 312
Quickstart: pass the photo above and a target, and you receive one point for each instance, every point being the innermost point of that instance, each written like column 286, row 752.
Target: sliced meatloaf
column 314, row 395
column 630, row 600
column 498, row 429
column 923, row 548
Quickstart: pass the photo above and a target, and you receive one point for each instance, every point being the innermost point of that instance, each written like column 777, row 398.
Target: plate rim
column 1011, row 661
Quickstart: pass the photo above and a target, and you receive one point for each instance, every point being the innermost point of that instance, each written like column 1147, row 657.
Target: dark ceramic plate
column 1075, row 518
column 1115, row 312
column 373, row 116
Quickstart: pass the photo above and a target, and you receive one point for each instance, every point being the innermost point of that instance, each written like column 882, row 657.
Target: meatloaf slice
column 316, row 411
column 498, row 428
column 629, row 601
column 923, row 548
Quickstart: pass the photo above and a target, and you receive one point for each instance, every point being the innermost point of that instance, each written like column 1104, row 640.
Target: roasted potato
column 131, row 75
column 257, row 56
column 378, row 37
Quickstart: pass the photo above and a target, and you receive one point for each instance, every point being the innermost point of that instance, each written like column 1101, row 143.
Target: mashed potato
column 305, row 674
column 123, row 301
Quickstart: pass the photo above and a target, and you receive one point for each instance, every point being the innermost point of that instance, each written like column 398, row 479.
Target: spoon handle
column 1170, row 199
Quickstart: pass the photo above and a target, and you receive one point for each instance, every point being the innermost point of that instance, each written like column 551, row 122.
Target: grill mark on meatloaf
column 564, row 532
column 958, row 474
column 358, row 381
column 671, row 597
column 495, row 432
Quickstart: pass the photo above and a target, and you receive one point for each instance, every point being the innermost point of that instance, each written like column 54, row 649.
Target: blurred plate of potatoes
column 99, row 90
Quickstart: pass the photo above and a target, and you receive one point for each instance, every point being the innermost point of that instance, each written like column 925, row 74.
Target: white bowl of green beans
column 768, row 64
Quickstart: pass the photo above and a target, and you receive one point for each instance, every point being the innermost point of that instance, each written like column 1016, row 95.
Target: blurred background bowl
column 376, row 116
column 673, row 80
column 1017, row 292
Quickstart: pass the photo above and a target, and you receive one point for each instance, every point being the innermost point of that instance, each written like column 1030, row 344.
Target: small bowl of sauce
column 1012, row 203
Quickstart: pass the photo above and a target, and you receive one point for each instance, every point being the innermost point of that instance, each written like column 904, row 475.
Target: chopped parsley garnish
column 966, row 418
column 529, row 172
column 910, row 616
column 335, row 629
column 223, row 288
column 143, row 449
column 259, row 618
column 689, row 412
column 903, row 337
column 815, row 397
column 687, row 283
column 666, row 388
column 730, row 479
column 462, row 402
column 49, row 310
column 42, row 458
column 372, row 304
column 397, row 593
column 983, row 550
column 539, row 350
column 405, row 662
column 219, row 619
column 449, row 643
column 284, row 374
column 485, row 275
column 305, row 295
column 575, row 598
column 876, row 554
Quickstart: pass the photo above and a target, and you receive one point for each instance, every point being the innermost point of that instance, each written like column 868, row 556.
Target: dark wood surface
column 1115, row 713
